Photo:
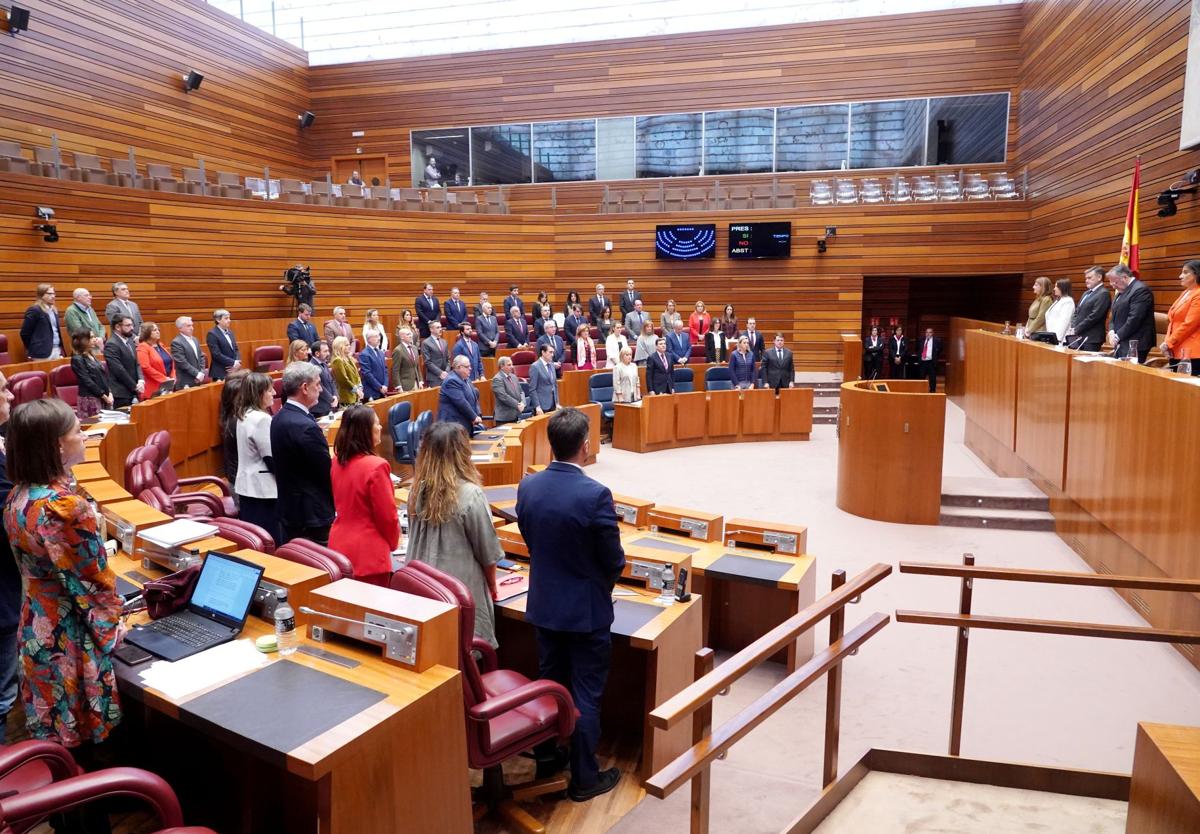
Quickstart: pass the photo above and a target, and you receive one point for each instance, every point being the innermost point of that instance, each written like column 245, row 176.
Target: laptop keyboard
column 184, row 631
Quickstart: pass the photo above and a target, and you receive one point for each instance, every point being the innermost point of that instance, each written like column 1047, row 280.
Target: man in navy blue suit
column 301, row 328
column 223, row 347
column 570, row 526
column 455, row 310
column 458, row 401
column 466, row 346
column 679, row 346
column 428, row 310
column 301, row 457
column 373, row 369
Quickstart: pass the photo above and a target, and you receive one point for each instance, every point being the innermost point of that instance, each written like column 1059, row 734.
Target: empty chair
column 1002, row 187
column 467, row 202
column 685, row 380
column 91, row 169
column 718, row 379
column 268, row 358
column 762, row 197
column 652, row 200
column 631, row 201
column 66, row 385
column 923, row 190
column 27, row 386
column 292, row 191
column 496, row 204
column 600, row 391
column 231, row 185
column 4, row 355
column 320, row 193
column 163, row 178
column 948, row 187
column 871, row 191
column 696, row 199
column 244, row 534
column 140, row 481
column 611, row 204
column 195, row 181
column 416, row 432
column 845, row 192
column 821, row 193
column 975, row 187
column 901, row 191
column 52, row 165
column 173, row 484
column 674, row 199
column 13, row 161
column 399, row 421
column 785, row 195
column 352, row 196
column 436, row 200
column 127, row 175
column 305, row 552
column 410, row 199
column 32, row 764
column 522, row 359
column 739, row 198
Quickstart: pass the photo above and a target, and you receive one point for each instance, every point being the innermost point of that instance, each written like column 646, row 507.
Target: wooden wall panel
column 105, row 75
column 935, row 53
column 1102, row 81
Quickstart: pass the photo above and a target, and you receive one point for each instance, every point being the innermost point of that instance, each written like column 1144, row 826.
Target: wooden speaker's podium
column 890, row 436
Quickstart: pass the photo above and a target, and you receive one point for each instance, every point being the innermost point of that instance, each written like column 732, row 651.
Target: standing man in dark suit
column 488, row 329
column 123, row 305
column 41, row 329
column 627, row 298
column 458, row 401
column 1086, row 331
column 478, row 308
column 372, row 367
column 436, row 356
column 406, row 367
column 301, row 458
column 466, row 346
column 679, row 345
column 755, row 339
column 516, row 329
column 302, row 328
column 778, row 367
column 897, row 353
column 660, row 370
column 1132, row 314
column 551, row 337
column 927, row 357
column 596, row 305
column 124, row 372
column 190, row 362
column 428, row 310
column 543, row 382
column 514, row 299
column 569, row 524
column 222, row 346
column 507, row 393
column 455, row 310
column 327, row 400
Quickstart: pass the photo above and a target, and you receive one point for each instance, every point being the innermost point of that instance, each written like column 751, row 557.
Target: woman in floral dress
column 70, row 619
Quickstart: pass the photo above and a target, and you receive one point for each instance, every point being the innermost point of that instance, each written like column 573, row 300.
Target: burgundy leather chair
column 29, row 765
column 268, row 358
column 244, row 534
column 522, row 359
column 506, row 712
column 142, row 483
column 4, row 357
column 140, row 454
column 26, row 390
column 314, row 555
column 172, row 483
column 23, row 811
column 66, row 385
column 41, row 376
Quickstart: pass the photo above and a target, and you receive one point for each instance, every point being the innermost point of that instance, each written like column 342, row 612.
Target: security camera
column 49, row 231
column 44, row 213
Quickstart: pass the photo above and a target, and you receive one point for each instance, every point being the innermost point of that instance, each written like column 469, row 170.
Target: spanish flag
column 1129, row 243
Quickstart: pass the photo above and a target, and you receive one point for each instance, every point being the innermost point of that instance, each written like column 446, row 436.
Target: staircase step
column 997, row 519
column 825, row 419
column 993, row 494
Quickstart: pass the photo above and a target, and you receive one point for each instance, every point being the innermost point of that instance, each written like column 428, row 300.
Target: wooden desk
column 90, row 472
column 788, row 539
column 702, row 526
column 749, row 592
column 890, row 452
column 1164, row 792
column 633, row 511
column 852, row 361
column 104, row 492
column 702, row 417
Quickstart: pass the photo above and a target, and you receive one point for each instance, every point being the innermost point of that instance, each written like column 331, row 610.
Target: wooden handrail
column 692, row 761
column 687, row 701
column 1144, row 583
column 1154, row 635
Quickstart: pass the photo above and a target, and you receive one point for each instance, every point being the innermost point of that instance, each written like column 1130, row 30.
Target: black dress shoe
column 552, row 766
column 607, row 781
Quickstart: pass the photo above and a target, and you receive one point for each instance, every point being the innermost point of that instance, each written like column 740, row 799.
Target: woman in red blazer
column 367, row 527
column 699, row 323
column 157, row 368
column 1183, row 320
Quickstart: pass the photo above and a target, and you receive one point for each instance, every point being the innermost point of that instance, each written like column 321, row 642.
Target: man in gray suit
column 635, row 319
column 122, row 306
column 191, row 365
column 436, row 356
column 543, row 382
column 488, row 330
column 506, row 389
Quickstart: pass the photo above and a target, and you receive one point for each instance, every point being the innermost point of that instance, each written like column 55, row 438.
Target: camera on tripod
column 299, row 286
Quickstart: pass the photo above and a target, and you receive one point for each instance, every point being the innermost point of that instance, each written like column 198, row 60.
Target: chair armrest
column 488, row 662
column 34, row 806
column 54, row 756
column 495, row 707
column 220, row 483
column 188, row 500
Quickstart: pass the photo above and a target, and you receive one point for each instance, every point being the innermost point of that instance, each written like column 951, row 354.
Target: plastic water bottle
column 1132, row 356
column 285, row 624
column 667, row 596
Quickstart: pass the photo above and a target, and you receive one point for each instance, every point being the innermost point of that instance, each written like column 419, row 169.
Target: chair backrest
column 10, row 150
column 718, row 379
column 160, row 441
column 305, row 552
column 416, row 432
column 4, row 357
column 66, row 385
column 27, row 390
column 141, row 454
column 153, row 496
column 41, row 376
column 600, row 387
column 227, row 178
column 158, row 171
column 269, row 357
column 321, row 187
column 399, row 417
column 140, row 477
column 245, row 534
column 685, row 380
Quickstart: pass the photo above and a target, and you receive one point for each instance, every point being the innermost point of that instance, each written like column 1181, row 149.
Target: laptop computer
column 215, row 614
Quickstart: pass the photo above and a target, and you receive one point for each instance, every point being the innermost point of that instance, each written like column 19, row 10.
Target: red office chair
column 522, row 359
column 314, row 555
column 23, row 811
column 66, row 385
column 172, row 483
column 507, row 713
column 26, row 390
column 244, row 533
column 33, row 764
column 268, row 358
column 41, row 376
column 140, row 454
column 189, row 504
column 4, row 357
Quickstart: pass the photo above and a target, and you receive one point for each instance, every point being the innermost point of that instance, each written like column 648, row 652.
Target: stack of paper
column 205, row 670
column 180, row 531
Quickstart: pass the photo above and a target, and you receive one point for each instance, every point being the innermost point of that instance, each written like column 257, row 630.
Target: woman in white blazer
column 255, row 483
column 614, row 344
column 1058, row 317
column 627, row 386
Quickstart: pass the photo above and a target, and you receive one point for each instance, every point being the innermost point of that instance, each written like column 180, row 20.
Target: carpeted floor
column 1049, row 700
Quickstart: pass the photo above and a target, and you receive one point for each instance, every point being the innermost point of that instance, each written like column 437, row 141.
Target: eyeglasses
column 512, row 580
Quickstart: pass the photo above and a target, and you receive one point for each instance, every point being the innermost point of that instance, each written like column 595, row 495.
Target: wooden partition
column 956, row 352
column 890, row 451
column 702, row 417
column 852, row 357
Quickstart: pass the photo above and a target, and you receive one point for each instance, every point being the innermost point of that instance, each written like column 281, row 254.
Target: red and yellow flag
column 1129, row 243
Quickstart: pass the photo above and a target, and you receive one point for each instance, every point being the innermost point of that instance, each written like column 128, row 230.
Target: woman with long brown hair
column 450, row 522
column 367, row 527
column 1042, row 299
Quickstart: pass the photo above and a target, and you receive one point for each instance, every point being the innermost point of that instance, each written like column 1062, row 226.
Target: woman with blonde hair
column 699, row 323
column 345, row 373
column 647, row 343
column 669, row 317
column 374, row 325
column 450, row 521
column 299, row 351
column 1042, row 300
column 627, row 386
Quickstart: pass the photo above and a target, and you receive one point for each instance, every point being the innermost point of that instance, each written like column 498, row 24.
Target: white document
column 180, row 531
column 207, row 669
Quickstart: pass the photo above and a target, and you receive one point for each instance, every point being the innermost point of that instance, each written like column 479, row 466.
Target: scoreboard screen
column 760, row 240
column 685, row 243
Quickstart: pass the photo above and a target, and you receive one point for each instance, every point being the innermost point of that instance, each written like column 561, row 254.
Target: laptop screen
column 225, row 587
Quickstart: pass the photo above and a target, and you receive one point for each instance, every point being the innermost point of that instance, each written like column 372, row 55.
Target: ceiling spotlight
column 18, row 20
column 191, row 81
column 306, row 119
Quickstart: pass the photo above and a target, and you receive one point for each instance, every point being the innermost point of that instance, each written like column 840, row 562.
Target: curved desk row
column 890, row 437
column 702, row 417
